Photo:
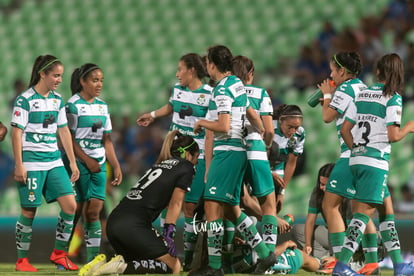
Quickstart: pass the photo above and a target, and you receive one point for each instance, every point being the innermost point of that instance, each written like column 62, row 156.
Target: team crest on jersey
column 201, row 99
column 36, row 105
column 101, row 109
column 55, row 104
column 292, row 142
column 31, row 197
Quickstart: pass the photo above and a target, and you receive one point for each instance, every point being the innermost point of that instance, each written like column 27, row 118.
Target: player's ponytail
column 390, row 71
column 44, row 64
column 242, row 66
column 81, row 73
column 176, row 145
column 350, row 61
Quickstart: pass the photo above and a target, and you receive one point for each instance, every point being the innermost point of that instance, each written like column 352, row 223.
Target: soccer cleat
column 92, row 266
column 403, row 269
column 370, row 269
column 327, row 268
column 115, row 266
column 207, row 271
column 60, row 257
column 264, row 264
column 342, row 269
column 23, row 264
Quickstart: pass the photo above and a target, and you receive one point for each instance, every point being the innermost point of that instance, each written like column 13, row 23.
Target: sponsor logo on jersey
column 36, row 105
column 185, row 110
column 212, row 190
column 333, row 183
column 43, row 138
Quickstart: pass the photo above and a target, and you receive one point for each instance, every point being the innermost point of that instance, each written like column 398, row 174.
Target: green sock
column 354, row 232
column 93, row 234
column 249, row 233
column 23, row 236
column 269, row 231
column 336, row 240
column 390, row 238
column 228, row 239
column 63, row 231
column 370, row 246
column 215, row 233
column 190, row 240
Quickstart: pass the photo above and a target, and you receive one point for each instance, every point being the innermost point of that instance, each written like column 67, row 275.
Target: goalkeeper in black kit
column 139, row 247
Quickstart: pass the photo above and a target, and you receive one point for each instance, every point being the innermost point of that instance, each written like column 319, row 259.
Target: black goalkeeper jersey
column 152, row 192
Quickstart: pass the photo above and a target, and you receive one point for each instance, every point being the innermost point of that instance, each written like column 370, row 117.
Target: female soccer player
column 139, row 247
column 290, row 138
column 314, row 238
column 38, row 114
column 90, row 125
column 188, row 103
column 376, row 116
column 345, row 67
column 258, row 174
column 227, row 112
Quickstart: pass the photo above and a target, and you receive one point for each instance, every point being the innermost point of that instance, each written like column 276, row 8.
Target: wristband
column 152, row 113
column 327, row 96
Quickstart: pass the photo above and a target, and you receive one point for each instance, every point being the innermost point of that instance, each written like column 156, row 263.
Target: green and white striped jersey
column 260, row 101
column 287, row 145
column 188, row 107
column 88, row 122
column 372, row 113
column 39, row 118
column 342, row 98
column 229, row 97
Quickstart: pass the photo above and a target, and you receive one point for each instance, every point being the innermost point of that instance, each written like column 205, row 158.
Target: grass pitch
column 50, row 269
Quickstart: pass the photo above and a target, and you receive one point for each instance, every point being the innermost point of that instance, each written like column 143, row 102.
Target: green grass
column 49, row 269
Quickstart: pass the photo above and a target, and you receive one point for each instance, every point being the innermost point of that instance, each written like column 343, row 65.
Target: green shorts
column 370, row 184
column 197, row 186
column 225, row 176
column 259, row 176
column 51, row 184
column 292, row 257
column 90, row 185
column 341, row 181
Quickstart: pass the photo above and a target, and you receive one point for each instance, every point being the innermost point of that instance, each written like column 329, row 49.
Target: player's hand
column 145, row 120
column 168, row 233
column 75, row 172
column 291, row 244
column 277, row 180
column 283, row 226
column 197, row 127
column 307, row 249
column 20, row 174
column 3, row 132
column 93, row 165
column 327, row 86
column 118, row 177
